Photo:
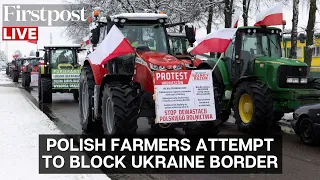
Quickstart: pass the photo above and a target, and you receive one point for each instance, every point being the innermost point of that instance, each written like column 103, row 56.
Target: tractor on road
column 179, row 45
column 117, row 94
column 15, row 69
column 256, row 82
column 28, row 65
column 59, row 72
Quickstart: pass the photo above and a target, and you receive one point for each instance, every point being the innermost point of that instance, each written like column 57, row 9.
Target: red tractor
column 28, row 65
column 119, row 92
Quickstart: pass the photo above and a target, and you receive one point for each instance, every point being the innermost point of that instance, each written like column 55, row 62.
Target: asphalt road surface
column 299, row 161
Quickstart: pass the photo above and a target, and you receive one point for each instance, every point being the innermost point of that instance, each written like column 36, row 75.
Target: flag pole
column 222, row 54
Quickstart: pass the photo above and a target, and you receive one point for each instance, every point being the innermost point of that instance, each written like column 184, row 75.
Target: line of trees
column 211, row 14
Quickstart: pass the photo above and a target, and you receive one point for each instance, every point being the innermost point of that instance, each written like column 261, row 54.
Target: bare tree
column 294, row 31
column 228, row 9
column 245, row 9
column 310, row 33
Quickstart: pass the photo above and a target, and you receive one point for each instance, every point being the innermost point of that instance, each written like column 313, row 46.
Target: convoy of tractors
column 252, row 79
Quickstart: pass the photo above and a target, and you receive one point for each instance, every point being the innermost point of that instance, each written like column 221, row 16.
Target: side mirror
column 95, row 35
column 302, row 38
column 37, row 54
column 190, row 34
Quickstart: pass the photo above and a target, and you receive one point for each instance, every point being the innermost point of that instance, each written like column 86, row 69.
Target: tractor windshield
column 179, row 45
column 152, row 36
column 62, row 56
column 261, row 44
column 34, row 61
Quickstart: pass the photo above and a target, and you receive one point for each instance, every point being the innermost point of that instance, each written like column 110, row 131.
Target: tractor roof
column 257, row 27
column 63, row 46
column 177, row 34
column 140, row 16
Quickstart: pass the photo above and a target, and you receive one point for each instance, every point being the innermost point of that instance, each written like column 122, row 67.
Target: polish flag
column 235, row 19
column 271, row 17
column 217, row 41
column 113, row 45
column 33, row 41
column 86, row 40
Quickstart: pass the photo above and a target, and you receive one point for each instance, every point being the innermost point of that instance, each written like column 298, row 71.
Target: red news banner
column 184, row 96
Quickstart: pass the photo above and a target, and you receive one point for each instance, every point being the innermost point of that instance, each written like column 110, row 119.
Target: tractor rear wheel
column 27, row 78
column 46, row 90
column 120, row 109
column 22, row 79
column 86, row 89
column 15, row 77
column 253, row 107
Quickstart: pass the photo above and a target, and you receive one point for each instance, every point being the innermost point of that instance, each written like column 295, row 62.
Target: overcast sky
column 58, row 38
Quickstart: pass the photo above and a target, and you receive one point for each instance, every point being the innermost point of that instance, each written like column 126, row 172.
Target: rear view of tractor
column 59, row 72
column 116, row 94
column 15, row 69
column 179, row 45
column 28, row 65
column 256, row 82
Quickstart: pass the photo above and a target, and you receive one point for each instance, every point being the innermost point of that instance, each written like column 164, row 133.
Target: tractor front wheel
column 120, row 109
column 253, row 107
column 46, row 90
column 15, row 77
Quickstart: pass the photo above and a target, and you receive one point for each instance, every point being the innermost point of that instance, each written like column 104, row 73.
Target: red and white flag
column 86, row 40
column 217, row 41
column 271, row 17
column 235, row 19
column 113, row 45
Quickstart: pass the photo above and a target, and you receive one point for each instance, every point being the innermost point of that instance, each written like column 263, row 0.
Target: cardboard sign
column 184, row 96
column 34, row 79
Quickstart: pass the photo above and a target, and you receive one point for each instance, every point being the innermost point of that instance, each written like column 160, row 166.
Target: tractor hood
column 160, row 59
column 280, row 61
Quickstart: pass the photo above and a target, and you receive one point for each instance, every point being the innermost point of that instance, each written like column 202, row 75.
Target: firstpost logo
column 21, row 21
column 42, row 15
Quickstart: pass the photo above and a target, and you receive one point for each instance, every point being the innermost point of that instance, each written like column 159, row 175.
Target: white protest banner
column 34, row 79
column 184, row 96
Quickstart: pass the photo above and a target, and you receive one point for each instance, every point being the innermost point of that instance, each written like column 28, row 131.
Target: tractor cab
column 28, row 65
column 250, row 46
column 179, row 45
column 59, row 72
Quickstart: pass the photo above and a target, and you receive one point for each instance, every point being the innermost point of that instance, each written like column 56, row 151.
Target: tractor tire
column 253, row 107
column 120, row 109
column 306, row 132
column 86, row 89
column 7, row 70
column 46, row 90
column 15, row 76
column 76, row 96
column 22, row 79
column 27, row 80
column 206, row 127
column 39, row 88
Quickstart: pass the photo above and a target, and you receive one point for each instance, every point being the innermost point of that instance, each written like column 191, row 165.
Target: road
column 299, row 161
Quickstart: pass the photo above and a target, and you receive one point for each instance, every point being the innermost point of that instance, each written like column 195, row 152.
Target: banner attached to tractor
column 184, row 96
column 34, row 79
column 65, row 78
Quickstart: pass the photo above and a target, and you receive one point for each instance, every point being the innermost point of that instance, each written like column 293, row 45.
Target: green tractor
column 60, row 71
column 256, row 82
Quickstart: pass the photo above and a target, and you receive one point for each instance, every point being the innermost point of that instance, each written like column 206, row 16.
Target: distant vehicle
column 306, row 123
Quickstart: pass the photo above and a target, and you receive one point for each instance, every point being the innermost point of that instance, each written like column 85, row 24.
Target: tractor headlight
column 303, row 80
column 293, row 80
column 177, row 67
column 156, row 67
